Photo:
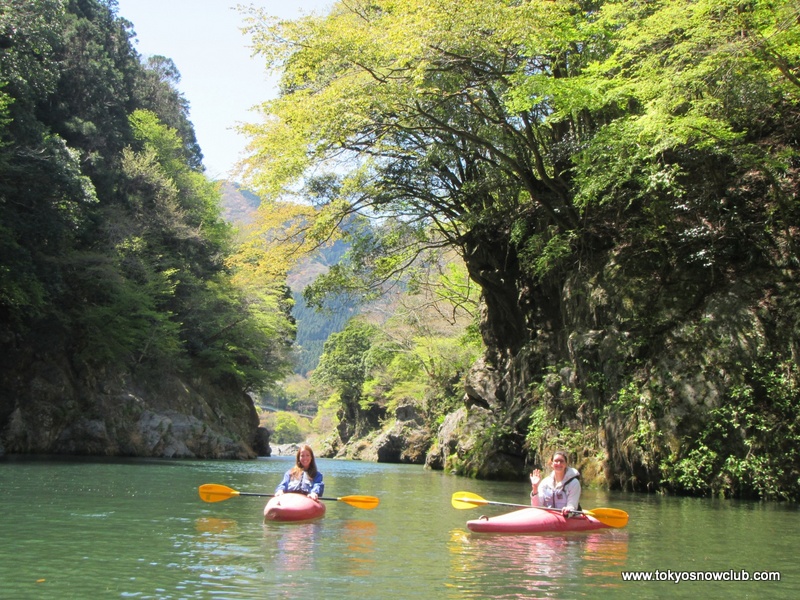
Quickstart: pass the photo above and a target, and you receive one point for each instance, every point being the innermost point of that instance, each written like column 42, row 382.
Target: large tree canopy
column 607, row 166
column 535, row 119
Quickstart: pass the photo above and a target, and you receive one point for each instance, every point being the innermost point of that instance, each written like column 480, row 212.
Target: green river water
column 95, row 528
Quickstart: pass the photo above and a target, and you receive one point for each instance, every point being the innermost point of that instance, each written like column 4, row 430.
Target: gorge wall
column 48, row 405
column 655, row 376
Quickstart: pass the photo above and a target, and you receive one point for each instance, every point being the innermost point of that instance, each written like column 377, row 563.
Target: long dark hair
column 297, row 470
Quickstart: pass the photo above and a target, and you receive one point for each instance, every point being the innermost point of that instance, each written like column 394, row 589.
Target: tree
column 604, row 168
column 156, row 90
column 342, row 371
column 44, row 195
column 415, row 102
column 111, row 236
column 428, row 342
column 287, row 430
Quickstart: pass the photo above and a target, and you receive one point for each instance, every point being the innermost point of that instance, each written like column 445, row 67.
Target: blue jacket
column 305, row 484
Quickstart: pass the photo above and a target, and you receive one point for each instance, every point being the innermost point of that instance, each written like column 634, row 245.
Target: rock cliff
column 50, row 407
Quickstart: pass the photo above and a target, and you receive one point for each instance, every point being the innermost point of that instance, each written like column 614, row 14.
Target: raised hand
column 536, row 477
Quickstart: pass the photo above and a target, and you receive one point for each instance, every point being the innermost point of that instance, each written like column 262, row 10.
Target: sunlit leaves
column 111, row 238
column 687, row 65
column 273, row 244
column 148, row 129
column 126, row 320
column 428, row 110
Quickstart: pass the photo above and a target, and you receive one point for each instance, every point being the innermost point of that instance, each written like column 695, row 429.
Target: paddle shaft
column 482, row 501
column 551, row 509
column 273, row 495
column 548, row 508
column 214, row 492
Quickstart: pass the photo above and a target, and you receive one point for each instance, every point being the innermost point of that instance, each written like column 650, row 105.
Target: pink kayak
column 534, row 520
column 293, row 507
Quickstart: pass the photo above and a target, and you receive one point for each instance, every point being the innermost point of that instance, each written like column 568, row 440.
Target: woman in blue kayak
column 303, row 478
column 561, row 489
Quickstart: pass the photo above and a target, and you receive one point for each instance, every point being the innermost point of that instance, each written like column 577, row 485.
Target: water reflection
column 534, row 566
column 290, row 553
column 207, row 559
column 213, row 525
column 294, row 545
column 605, row 557
column 359, row 541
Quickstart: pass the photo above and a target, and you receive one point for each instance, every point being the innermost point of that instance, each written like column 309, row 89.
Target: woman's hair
column 297, row 470
column 562, row 453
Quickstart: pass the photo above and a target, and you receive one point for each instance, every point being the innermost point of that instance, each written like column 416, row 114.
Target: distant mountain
column 313, row 327
column 238, row 204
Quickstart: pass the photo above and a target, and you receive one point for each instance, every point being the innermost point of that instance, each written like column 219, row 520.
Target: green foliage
column 432, row 147
column 419, row 356
column 295, row 393
column 111, row 241
column 125, row 323
column 541, row 423
column 547, row 428
column 342, row 364
column 647, row 147
column 314, row 326
column 286, row 429
column 691, row 79
column 30, row 36
column 542, row 254
column 748, row 446
column 156, row 91
column 606, row 165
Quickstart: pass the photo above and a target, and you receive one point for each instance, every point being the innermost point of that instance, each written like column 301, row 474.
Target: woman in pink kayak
column 561, row 489
column 303, row 478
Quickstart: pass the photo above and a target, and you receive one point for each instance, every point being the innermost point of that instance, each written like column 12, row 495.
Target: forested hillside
column 621, row 181
column 313, row 325
column 591, row 208
column 238, row 204
column 407, row 347
column 123, row 326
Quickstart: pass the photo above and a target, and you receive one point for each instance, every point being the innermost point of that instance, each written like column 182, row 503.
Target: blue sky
column 219, row 78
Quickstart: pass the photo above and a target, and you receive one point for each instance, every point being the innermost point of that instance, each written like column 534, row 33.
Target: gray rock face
column 52, row 410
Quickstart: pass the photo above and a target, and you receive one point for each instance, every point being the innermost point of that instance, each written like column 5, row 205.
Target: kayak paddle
column 462, row 500
column 212, row 492
column 613, row 517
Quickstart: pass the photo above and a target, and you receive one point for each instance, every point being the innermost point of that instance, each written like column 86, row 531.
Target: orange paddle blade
column 365, row 502
column 212, row 492
column 613, row 517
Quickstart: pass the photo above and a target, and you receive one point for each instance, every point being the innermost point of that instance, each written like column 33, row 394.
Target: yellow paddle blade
column 462, row 500
column 613, row 517
column 365, row 502
column 212, row 492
